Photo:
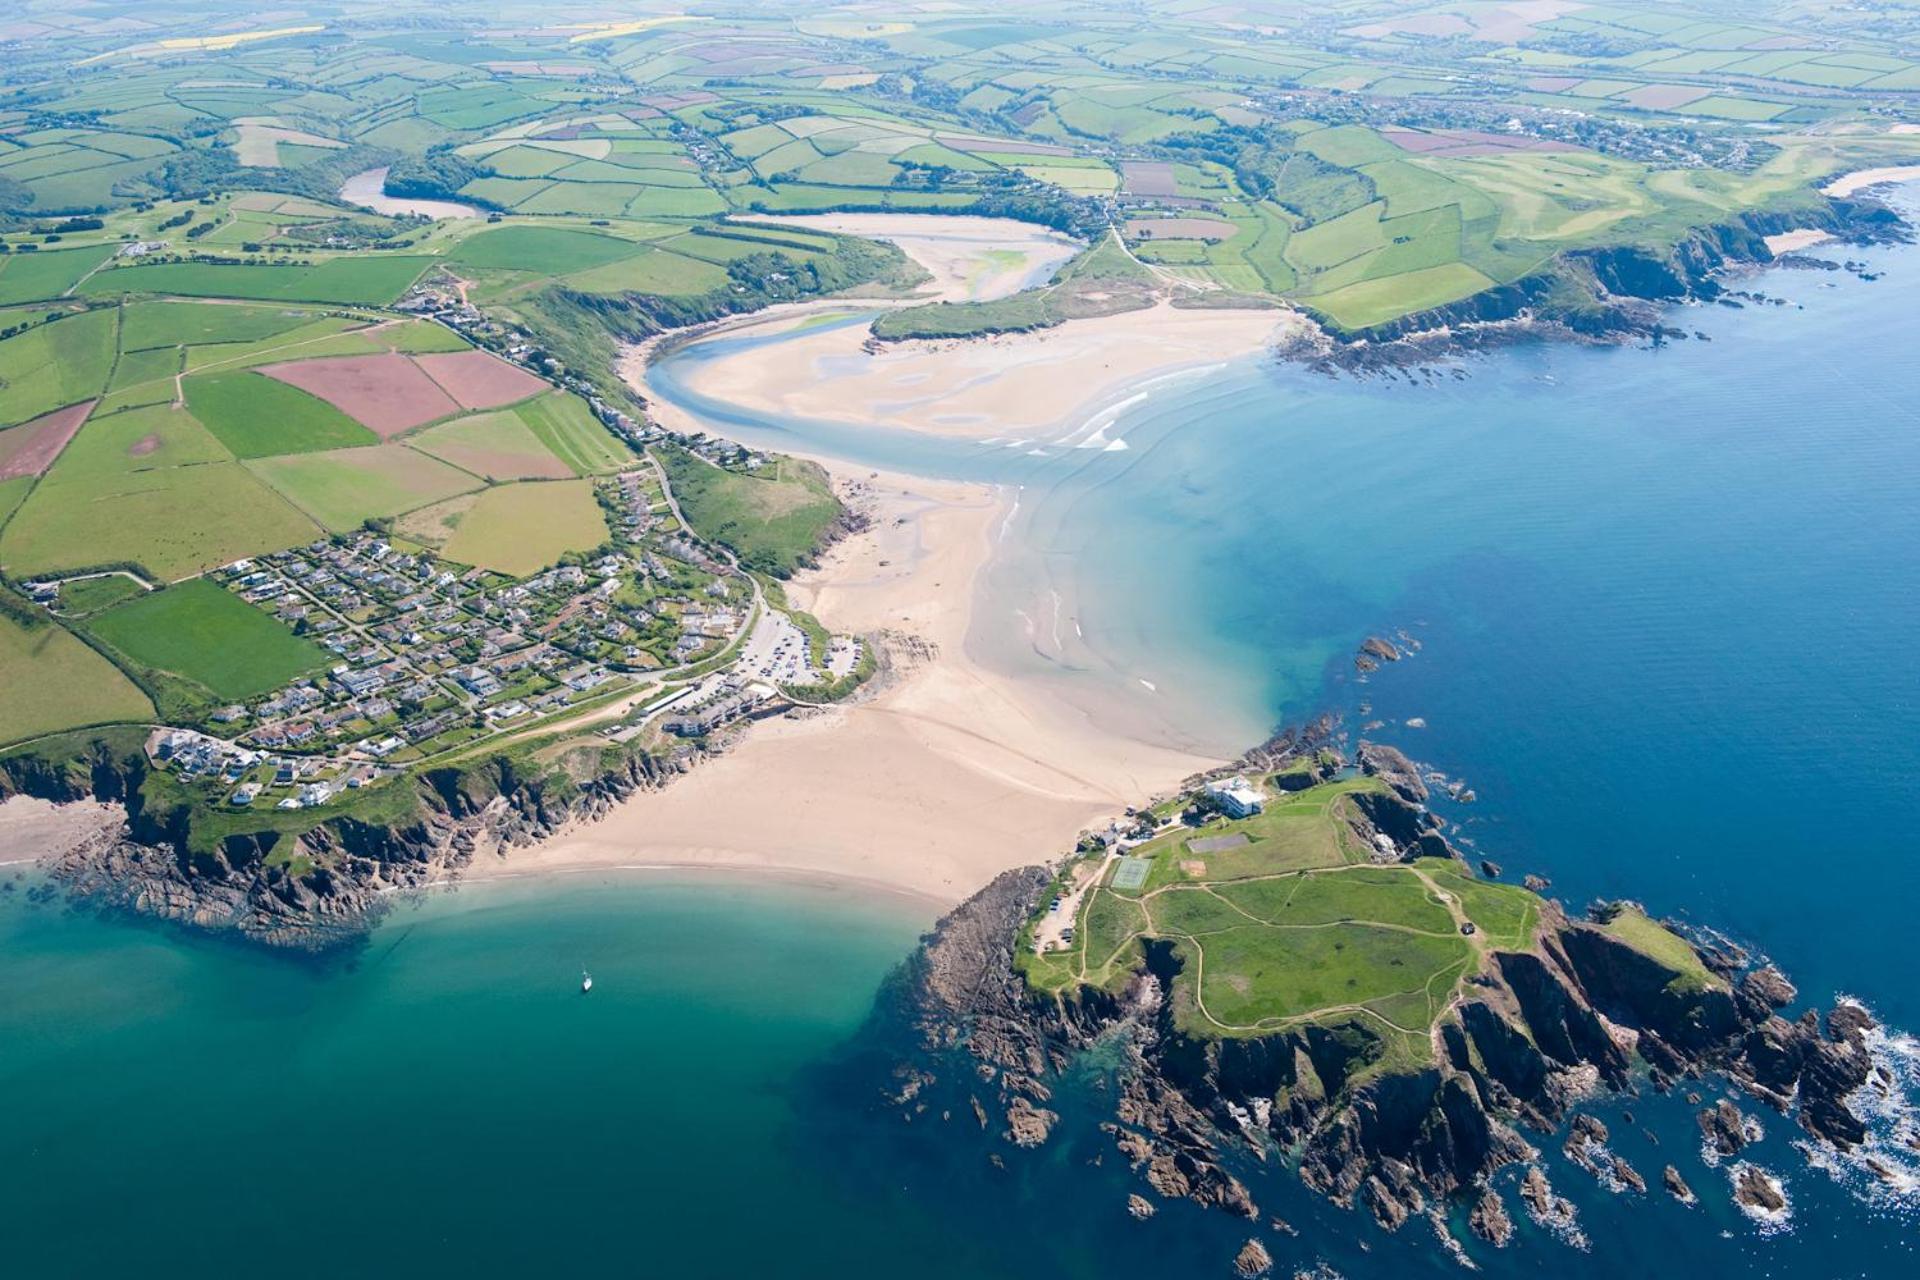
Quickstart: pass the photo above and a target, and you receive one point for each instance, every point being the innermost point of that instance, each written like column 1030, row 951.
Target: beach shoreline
column 1848, row 184
column 1024, row 386
column 948, row 775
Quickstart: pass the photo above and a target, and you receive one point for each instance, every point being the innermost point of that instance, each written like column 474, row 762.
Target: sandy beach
column 954, row 771
column 1789, row 241
column 1014, row 385
column 31, row 829
column 1853, row 183
column 948, row 776
column 970, row 259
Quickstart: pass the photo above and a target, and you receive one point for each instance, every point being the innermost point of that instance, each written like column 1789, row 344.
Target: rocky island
column 1301, row 971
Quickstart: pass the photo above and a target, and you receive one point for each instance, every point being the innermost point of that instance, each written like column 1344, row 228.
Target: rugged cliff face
column 1609, row 294
column 1577, row 1013
column 322, row 887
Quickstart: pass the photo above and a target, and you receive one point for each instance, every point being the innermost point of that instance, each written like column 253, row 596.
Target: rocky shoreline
column 1603, row 296
column 1579, row 1015
column 323, row 889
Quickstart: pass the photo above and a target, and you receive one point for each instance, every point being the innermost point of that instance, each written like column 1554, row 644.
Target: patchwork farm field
column 275, row 436
column 497, row 446
column 60, row 361
column 566, row 426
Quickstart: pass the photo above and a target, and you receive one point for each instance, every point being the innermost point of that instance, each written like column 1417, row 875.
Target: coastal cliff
column 320, row 885
column 1584, row 1011
column 1610, row 293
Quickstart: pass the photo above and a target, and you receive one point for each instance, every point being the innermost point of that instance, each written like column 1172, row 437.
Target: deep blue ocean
column 1667, row 603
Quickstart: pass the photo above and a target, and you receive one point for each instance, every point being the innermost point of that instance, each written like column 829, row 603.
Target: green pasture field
column 553, row 251
column 31, row 277
column 774, row 523
column 1371, row 302
column 12, row 493
column 136, row 438
column 520, row 529
column 183, row 324
column 331, row 336
column 566, row 426
column 368, row 280
column 201, row 632
column 260, row 417
column 110, row 448
column 141, row 378
column 1509, row 916
column 1258, row 977
column 421, row 338
column 172, row 521
column 82, row 596
column 50, row 681
column 345, row 488
column 651, row 270
column 1293, row 926
column 54, row 364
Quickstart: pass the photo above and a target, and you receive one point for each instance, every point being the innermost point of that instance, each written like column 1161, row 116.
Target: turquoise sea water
column 1667, row 603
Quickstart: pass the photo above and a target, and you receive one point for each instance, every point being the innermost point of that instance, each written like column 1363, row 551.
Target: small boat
column 586, row 982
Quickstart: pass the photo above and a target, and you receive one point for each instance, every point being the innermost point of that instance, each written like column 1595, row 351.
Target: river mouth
column 368, row 190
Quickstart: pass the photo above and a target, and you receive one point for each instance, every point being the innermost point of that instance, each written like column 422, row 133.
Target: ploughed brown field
column 1466, row 142
column 1666, row 97
column 1149, row 178
column 31, row 447
column 1182, row 228
column 392, row 394
column 479, row 380
column 387, row 394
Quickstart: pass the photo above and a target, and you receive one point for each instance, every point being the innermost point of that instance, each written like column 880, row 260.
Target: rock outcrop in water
column 1578, row 1012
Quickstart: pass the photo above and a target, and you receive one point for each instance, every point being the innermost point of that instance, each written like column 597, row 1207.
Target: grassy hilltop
column 1289, row 919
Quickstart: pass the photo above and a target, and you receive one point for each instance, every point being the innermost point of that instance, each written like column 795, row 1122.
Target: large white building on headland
column 1238, row 797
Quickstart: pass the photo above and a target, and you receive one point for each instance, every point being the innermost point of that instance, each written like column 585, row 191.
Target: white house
column 1238, row 797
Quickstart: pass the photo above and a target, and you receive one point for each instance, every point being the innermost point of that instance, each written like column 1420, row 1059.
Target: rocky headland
column 1576, row 1016
column 318, row 887
column 1609, row 294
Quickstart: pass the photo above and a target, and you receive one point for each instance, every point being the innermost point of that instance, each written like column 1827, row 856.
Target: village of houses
column 434, row 657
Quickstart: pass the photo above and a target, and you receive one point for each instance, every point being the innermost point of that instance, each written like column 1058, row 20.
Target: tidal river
column 1665, row 601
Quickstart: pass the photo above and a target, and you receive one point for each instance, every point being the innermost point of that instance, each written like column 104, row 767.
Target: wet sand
column 1013, row 385
column 948, row 776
